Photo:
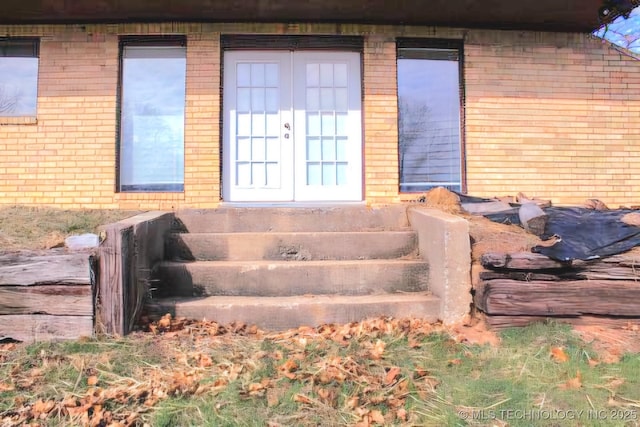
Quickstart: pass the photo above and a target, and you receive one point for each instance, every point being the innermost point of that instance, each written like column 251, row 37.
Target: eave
column 541, row 15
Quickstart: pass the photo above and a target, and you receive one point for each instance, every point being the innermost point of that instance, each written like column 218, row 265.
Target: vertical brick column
column 202, row 130
column 380, row 120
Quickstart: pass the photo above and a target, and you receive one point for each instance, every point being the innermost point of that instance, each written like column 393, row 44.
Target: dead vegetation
column 33, row 228
column 381, row 371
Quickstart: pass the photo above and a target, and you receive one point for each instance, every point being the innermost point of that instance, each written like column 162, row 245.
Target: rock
column 533, row 218
column 82, row 241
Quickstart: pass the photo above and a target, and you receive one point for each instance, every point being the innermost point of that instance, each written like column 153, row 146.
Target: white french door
column 292, row 126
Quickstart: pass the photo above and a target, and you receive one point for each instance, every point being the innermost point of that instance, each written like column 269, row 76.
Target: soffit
column 545, row 15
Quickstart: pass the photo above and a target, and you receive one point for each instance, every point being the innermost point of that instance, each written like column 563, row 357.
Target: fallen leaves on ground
column 191, row 367
column 573, row 383
column 363, row 374
column 559, row 355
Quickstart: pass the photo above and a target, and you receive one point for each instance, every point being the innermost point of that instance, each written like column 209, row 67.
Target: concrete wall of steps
column 286, row 267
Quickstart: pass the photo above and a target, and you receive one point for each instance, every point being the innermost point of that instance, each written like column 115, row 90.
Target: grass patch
column 374, row 372
column 33, row 228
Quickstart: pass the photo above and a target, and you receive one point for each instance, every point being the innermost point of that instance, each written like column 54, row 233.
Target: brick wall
column 552, row 115
column 67, row 157
column 380, row 120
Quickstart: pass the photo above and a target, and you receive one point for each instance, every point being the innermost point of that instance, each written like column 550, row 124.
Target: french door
column 292, row 126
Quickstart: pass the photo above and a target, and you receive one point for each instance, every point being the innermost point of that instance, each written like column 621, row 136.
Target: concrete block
column 444, row 243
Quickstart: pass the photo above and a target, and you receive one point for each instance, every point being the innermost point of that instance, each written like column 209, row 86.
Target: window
column 18, row 77
column 152, row 107
column 429, row 104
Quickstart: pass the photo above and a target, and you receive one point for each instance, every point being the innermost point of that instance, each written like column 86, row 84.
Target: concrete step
column 285, row 278
column 291, row 312
column 288, row 219
column 291, row 246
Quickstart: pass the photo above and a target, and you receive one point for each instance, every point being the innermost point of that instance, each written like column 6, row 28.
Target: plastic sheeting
column 582, row 234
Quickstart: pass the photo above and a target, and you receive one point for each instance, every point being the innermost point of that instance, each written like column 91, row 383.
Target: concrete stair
column 286, row 267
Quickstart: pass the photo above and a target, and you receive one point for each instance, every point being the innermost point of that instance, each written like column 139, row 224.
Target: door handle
column 287, row 126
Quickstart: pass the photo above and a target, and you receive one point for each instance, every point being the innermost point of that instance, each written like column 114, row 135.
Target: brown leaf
column 414, row 343
column 375, row 416
column 352, row 402
column 43, row 407
column 420, row 372
column 558, row 354
column 8, row 346
column 573, row 383
column 593, row 363
column 613, row 403
column 70, row 402
column 329, row 374
column 401, row 414
column 403, row 386
column 453, row 362
column 394, row 402
column 391, row 375
column 78, row 410
column 377, row 350
column 302, row 399
column 6, row 387
column 36, row 372
column 92, row 380
column 256, row 389
column 165, row 321
column 220, row 383
column 615, row 382
column 273, row 397
column 288, row 367
column 204, row 360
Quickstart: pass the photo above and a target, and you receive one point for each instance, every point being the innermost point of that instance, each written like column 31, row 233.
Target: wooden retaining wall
column 46, row 295
column 56, row 294
column 125, row 259
column 521, row 288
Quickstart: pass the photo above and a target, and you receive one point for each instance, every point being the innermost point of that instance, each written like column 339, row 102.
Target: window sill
column 20, row 120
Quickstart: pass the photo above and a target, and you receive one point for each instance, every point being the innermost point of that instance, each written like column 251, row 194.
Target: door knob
column 287, row 126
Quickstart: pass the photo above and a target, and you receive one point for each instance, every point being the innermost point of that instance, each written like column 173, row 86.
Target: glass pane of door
column 328, row 126
column 258, row 160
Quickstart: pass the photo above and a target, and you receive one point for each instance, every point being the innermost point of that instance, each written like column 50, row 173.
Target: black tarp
column 583, row 234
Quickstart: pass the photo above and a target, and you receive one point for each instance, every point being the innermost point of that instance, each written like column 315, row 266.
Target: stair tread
column 327, row 218
column 279, row 313
column 294, row 263
column 299, row 299
column 296, row 233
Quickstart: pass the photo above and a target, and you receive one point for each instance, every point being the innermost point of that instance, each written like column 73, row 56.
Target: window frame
column 30, row 49
column 444, row 44
column 143, row 41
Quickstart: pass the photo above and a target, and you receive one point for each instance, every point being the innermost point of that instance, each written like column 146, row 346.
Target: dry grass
column 396, row 372
column 34, row 228
column 488, row 236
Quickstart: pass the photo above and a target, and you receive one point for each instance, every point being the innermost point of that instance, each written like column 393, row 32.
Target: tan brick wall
column 67, row 157
column 552, row 115
column 380, row 120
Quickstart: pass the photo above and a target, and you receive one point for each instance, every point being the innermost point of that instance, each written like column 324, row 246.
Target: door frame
column 355, row 114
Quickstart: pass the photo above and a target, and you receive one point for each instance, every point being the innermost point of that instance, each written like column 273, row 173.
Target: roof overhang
column 544, row 15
